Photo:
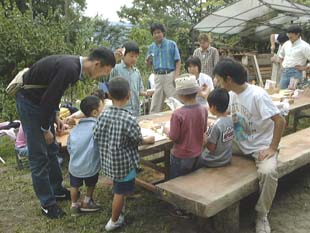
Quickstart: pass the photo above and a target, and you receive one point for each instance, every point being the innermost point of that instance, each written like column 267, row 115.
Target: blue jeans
column 45, row 170
column 287, row 74
column 181, row 167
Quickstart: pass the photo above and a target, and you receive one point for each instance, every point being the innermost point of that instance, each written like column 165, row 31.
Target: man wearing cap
column 164, row 56
column 295, row 52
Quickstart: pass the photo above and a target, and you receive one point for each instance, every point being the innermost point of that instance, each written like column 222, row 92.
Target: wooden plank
column 258, row 71
column 209, row 191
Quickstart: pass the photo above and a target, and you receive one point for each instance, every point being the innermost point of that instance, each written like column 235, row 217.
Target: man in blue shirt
column 164, row 56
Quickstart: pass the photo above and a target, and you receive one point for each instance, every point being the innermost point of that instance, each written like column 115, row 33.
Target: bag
column 17, row 83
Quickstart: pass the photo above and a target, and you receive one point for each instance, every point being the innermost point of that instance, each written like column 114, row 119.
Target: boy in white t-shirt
column 258, row 128
column 193, row 66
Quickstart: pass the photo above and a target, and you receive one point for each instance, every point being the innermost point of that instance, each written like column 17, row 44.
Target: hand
column 301, row 68
column 118, row 54
column 60, row 126
column 49, row 137
column 267, row 153
column 149, row 140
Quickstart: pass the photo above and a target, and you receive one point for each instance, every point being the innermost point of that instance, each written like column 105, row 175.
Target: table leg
column 167, row 163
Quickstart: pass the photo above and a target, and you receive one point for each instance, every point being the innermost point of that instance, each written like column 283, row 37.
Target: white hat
column 186, row 84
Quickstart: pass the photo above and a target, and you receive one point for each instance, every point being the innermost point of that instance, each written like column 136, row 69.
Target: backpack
column 17, row 83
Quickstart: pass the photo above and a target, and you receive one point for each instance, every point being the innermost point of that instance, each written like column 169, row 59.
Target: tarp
column 247, row 16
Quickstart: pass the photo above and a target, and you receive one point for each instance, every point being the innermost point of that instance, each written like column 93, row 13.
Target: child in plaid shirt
column 118, row 135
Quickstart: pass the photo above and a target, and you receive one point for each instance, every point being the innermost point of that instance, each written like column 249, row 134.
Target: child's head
column 193, row 65
column 119, row 89
column 131, row 53
column 100, row 94
column 218, row 100
column 91, row 106
column 230, row 73
column 102, row 61
column 186, row 87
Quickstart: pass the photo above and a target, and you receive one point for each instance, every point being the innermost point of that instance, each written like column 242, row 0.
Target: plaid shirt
column 208, row 59
column 118, row 135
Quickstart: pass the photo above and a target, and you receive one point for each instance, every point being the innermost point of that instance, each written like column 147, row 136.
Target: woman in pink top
column 187, row 127
column 21, row 143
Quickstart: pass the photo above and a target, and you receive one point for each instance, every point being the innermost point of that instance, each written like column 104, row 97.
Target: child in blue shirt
column 84, row 164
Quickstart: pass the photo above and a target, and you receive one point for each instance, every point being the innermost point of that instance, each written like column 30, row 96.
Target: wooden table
column 301, row 103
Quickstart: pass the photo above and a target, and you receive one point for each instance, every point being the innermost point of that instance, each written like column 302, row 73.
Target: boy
column 128, row 70
column 37, row 109
column 187, row 127
column 84, row 164
column 258, row 128
column 193, row 66
column 118, row 136
column 220, row 133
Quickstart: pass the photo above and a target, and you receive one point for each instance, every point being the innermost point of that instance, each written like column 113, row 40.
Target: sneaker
column 75, row 211
column 52, row 211
column 114, row 225
column 91, row 206
column 262, row 224
column 64, row 194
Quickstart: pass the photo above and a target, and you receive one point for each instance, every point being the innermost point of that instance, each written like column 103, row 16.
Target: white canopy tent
column 246, row 17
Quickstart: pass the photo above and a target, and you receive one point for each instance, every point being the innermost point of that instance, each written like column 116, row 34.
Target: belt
column 163, row 71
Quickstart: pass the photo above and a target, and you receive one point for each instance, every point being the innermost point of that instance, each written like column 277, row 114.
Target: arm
column 211, row 147
column 272, row 43
column 279, row 123
column 216, row 57
column 177, row 69
column 175, row 128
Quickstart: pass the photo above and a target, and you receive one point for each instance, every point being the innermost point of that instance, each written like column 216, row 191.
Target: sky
column 107, row 9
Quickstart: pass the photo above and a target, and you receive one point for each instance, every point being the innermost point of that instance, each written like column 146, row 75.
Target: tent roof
column 245, row 15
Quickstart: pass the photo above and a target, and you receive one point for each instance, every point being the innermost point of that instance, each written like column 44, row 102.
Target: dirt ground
column 19, row 210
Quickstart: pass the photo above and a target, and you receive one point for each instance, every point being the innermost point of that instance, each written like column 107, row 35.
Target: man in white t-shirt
column 295, row 52
column 258, row 128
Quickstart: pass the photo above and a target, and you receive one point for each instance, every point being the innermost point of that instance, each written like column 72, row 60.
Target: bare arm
column 279, row 123
column 177, row 69
column 272, row 42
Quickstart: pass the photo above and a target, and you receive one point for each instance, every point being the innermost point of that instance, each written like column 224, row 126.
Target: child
column 258, row 128
column 193, row 66
column 118, row 136
column 220, row 133
column 128, row 70
column 187, row 127
column 84, row 162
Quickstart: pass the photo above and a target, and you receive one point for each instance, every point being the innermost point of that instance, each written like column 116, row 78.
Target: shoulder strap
column 33, row 86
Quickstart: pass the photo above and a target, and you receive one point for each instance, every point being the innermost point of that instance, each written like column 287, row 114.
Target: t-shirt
column 251, row 112
column 221, row 133
column 204, row 79
column 187, row 126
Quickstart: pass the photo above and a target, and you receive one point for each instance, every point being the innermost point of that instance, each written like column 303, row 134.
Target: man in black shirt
column 38, row 108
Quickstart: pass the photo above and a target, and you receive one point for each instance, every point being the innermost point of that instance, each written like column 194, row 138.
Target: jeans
column 45, row 170
column 181, row 167
column 287, row 74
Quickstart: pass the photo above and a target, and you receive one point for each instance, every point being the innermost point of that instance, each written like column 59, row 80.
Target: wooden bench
column 217, row 191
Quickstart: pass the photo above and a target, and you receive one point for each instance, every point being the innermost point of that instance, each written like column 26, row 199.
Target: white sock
column 86, row 199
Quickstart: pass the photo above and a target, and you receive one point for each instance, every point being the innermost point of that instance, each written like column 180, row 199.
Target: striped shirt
column 118, row 135
column 208, row 58
column 165, row 55
column 133, row 76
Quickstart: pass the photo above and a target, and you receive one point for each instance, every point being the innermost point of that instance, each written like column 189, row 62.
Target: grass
column 19, row 207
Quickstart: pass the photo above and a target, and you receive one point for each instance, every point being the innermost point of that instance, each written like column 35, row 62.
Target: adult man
column 295, row 54
column 37, row 109
column 164, row 56
column 276, row 61
column 207, row 54
column 258, row 128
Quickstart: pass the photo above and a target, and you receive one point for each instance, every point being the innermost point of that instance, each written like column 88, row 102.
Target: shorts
column 78, row 181
column 124, row 188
